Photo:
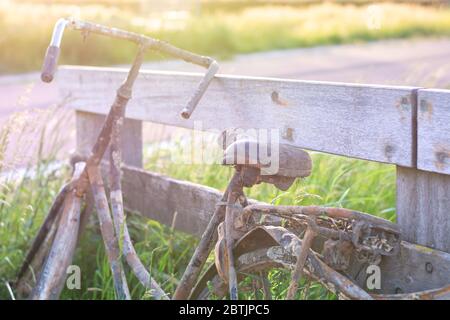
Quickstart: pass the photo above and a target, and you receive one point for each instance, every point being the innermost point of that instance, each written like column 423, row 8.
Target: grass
column 220, row 33
column 24, row 201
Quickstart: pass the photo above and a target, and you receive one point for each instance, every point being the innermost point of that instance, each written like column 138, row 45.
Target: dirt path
column 421, row 62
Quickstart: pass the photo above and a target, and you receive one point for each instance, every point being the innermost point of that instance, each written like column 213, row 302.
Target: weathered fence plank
column 186, row 206
column 433, row 130
column 362, row 121
column 89, row 126
column 416, row 268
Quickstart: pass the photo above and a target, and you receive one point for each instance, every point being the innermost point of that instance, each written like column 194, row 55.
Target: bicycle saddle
column 279, row 165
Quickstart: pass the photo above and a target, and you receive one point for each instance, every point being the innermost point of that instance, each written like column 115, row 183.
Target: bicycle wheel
column 266, row 248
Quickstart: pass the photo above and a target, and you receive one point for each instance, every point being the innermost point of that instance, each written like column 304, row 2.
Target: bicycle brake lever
column 51, row 56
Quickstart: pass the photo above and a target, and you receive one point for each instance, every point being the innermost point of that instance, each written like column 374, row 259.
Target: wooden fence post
column 423, row 207
column 88, row 126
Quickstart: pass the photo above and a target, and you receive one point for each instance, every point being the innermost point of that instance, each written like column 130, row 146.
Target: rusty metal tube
column 198, row 259
column 300, row 264
column 229, row 243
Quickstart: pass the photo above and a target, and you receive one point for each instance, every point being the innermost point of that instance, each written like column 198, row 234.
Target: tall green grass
column 27, row 188
column 26, row 29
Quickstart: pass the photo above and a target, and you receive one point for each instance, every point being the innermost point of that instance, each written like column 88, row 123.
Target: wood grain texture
column 433, row 130
column 416, row 268
column 89, row 126
column 423, row 207
column 362, row 121
column 164, row 199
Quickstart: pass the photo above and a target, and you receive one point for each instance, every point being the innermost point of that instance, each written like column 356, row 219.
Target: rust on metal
column 301, row 261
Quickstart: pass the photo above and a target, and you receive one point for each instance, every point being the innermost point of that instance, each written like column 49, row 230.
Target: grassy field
column 25, row 199
column 220, row 33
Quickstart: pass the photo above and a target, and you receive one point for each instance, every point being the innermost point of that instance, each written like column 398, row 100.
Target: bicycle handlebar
column 51, row 57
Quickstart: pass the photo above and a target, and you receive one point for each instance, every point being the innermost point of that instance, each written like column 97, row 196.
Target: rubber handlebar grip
column 50, row 63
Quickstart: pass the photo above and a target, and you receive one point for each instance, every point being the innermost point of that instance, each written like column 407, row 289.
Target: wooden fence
column 405, row 126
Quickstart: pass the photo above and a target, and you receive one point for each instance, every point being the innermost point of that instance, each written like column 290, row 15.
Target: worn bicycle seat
column 283, row 160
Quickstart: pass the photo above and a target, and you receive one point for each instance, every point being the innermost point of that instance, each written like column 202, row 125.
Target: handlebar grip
column 50, row 63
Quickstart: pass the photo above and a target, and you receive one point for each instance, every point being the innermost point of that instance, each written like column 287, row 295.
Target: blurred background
column 222, row 28
column 397, row 42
